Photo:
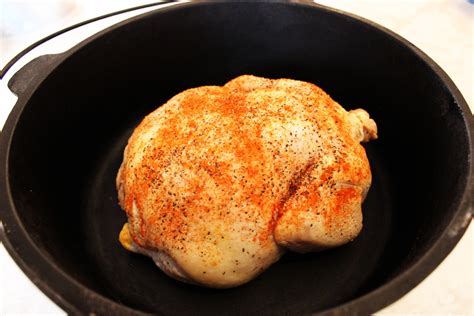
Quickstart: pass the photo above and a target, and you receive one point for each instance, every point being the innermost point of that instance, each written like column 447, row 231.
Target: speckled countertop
column 444, row 29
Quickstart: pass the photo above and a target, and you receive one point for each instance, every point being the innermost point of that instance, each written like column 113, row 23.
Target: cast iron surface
column 63, row 142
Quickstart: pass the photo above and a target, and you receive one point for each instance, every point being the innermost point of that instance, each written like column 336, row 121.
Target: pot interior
column 68, row 144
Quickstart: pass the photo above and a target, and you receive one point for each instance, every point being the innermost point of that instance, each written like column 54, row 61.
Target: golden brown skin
column 217, row 181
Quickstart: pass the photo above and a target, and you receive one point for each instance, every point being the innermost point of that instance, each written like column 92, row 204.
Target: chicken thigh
column 219, row 181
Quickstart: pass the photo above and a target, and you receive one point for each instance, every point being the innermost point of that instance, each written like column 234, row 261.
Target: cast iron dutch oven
column 63, row 143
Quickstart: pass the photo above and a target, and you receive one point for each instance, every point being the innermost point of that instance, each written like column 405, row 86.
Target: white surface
column 443, row 29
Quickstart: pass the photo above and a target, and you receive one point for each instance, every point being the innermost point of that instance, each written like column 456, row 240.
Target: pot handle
column 31, row 72
column 67, row 29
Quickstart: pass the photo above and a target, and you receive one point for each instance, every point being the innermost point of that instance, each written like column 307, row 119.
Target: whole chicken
column 219, row 181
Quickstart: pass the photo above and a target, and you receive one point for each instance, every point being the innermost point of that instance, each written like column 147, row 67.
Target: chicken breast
column 219, row 181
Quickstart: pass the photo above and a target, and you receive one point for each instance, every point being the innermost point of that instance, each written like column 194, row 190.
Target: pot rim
column 76, row 298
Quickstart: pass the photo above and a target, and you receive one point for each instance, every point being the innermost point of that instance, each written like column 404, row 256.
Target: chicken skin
column 219, row 181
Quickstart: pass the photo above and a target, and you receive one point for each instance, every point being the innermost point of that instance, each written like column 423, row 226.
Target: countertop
column 444, row 29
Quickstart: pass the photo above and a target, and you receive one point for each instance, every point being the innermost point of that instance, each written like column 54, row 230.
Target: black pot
column 62, row 144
